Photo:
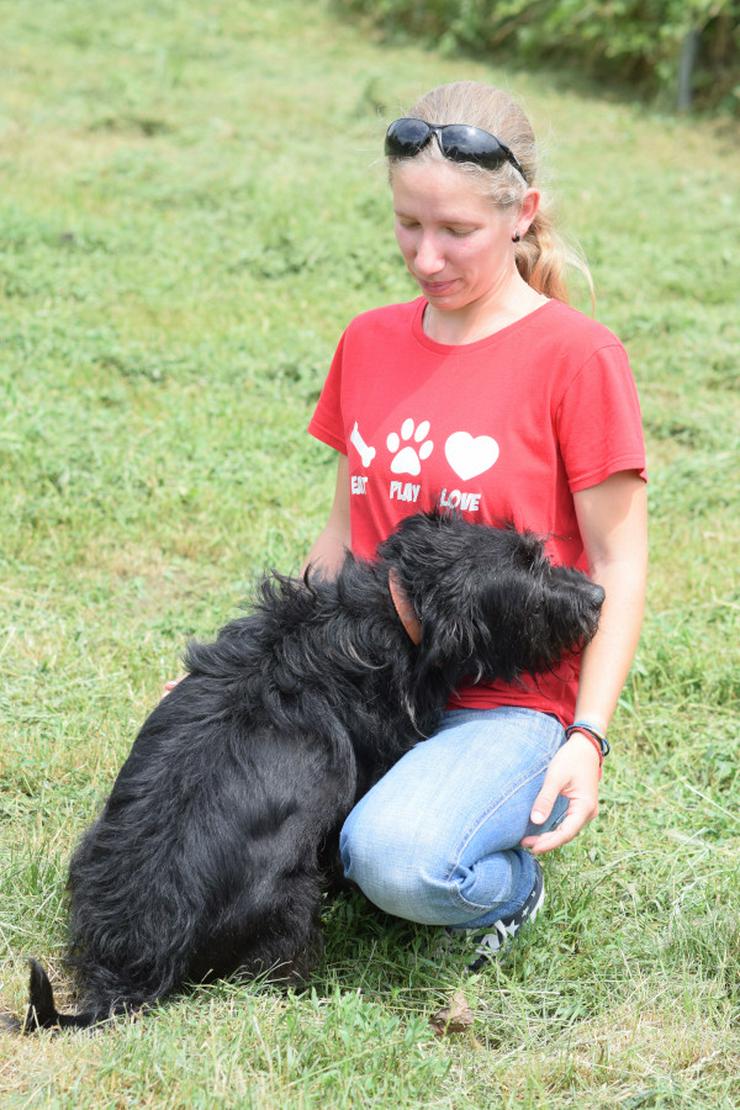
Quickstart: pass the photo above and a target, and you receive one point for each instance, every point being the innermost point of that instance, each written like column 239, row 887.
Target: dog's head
column 491, row 604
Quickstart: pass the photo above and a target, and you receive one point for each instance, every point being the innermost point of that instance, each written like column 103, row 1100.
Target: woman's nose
column 428, row 259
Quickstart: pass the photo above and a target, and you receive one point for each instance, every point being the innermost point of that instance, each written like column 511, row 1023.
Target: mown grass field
column 193, row 206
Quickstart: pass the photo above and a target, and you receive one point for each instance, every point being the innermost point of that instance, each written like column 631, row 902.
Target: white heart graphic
column 469, row 456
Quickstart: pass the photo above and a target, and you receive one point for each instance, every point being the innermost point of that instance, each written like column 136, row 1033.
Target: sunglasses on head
column 457, row 141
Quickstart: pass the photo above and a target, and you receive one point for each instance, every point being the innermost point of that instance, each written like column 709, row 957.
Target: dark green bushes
column 643, row 43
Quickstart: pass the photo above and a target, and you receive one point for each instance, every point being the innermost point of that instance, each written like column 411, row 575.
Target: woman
column 490, row 395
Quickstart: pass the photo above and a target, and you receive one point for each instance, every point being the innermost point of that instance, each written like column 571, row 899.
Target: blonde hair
column 543, row 255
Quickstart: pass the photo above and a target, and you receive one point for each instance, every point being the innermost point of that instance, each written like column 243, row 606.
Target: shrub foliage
column 636, row 42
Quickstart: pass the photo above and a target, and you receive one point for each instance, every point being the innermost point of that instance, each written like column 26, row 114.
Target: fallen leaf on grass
column 9, row 1023
column 454, row 1018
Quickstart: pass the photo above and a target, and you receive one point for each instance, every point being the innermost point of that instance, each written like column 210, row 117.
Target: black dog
column 213, row 849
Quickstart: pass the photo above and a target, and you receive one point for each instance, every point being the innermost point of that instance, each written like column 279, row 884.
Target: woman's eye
column 460, row 232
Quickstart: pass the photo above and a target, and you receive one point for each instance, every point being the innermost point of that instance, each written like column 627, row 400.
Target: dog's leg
column 330, row 865
column 289, row 956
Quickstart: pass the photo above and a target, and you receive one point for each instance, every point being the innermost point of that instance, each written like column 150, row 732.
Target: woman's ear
column 529, row 208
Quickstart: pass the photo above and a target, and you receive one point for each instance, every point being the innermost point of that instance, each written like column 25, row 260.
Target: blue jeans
column 436, row 840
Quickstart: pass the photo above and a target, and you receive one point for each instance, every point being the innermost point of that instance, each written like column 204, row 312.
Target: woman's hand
column 574, row 773
column 170, row 686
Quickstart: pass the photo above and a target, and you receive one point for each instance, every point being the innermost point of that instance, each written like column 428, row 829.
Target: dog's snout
column 596, row 595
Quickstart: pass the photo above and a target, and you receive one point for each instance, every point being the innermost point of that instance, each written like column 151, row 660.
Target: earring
column 516, row 237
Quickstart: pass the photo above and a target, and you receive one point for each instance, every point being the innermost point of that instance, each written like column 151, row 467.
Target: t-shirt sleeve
column 598, row 420
column 326, row 424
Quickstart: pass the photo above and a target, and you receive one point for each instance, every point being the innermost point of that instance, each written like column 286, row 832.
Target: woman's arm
column 612, row 518
column 327, row 553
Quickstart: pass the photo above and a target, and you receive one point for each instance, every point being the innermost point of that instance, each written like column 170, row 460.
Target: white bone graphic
column 366, row 453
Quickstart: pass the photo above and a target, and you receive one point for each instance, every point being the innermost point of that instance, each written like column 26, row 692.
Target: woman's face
column 455, row 242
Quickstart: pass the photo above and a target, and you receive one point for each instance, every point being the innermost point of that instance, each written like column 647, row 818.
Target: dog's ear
column 455, row 631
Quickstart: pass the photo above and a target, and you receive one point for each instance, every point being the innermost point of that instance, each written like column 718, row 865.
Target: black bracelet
column 599, row 737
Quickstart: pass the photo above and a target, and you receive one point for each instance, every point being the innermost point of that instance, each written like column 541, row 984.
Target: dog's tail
column 43, row 1014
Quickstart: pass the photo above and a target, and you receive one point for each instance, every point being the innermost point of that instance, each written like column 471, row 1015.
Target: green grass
column 193, row 206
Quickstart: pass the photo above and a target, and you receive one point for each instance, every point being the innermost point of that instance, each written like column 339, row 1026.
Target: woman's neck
column 483, row 317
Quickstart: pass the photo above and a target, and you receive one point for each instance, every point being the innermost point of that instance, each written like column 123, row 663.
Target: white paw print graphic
column 408, row 459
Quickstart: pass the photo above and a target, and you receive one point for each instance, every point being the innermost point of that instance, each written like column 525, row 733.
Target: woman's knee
column 393, row 871
column 367, row 847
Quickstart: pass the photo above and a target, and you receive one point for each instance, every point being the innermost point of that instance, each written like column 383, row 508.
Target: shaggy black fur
column 216, row 842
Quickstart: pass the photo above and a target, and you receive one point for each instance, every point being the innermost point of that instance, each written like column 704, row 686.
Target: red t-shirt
column 504, row 429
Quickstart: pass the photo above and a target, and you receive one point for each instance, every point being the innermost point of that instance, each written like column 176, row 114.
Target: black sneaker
column 490, row 943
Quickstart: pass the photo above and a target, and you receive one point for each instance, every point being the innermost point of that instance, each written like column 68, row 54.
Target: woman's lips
column 437, row 288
